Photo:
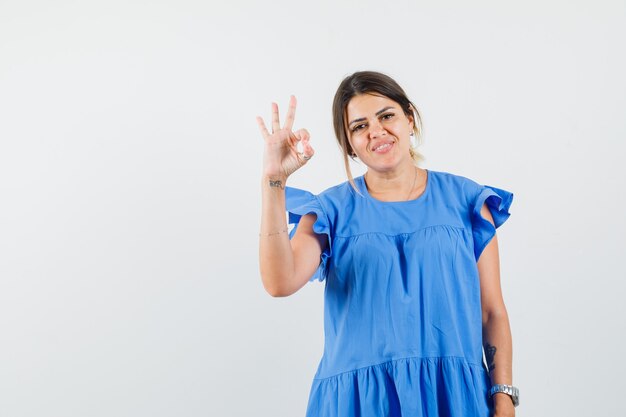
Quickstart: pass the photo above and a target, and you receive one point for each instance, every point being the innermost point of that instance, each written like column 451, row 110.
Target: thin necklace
column 412, row 186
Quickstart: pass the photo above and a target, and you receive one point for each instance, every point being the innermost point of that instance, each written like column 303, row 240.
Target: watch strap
column 510, row 390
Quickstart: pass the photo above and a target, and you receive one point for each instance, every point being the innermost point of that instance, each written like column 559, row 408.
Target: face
column 378, row 131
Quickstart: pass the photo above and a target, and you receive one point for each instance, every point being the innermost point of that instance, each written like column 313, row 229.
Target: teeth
column 386, row 145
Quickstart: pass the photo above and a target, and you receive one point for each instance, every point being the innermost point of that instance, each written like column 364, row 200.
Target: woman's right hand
column 281, row 157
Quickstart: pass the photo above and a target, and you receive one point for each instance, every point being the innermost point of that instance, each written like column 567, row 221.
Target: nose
column 377, row 129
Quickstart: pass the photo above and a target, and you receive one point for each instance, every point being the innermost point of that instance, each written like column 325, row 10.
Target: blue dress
column 402, row 312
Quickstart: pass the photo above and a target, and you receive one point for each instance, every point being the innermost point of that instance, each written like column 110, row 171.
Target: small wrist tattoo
column 490, row 353
column 277, row 184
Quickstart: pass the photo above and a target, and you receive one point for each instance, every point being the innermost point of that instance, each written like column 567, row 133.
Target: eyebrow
column 360, row 119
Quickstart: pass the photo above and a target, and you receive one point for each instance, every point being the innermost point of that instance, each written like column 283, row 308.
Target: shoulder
column 330, row 201
column 337, row 191
column 338, row 197
column 451, row 184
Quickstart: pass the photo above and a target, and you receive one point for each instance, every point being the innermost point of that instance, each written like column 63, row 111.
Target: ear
column 411, row 118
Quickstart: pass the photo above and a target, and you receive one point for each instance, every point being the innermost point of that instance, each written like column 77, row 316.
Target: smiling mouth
column 382, row 147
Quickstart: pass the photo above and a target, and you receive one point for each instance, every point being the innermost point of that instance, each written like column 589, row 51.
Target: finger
column 262, row 128
column 275, row 121
column 291, row 113
column 294, row 141
column 302, row 134
column 307, row 149
column 300, row 137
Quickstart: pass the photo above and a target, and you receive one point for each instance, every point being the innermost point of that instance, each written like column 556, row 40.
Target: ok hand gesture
column 281, row 157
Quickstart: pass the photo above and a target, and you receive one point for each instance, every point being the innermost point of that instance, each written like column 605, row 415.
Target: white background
column 130, row 198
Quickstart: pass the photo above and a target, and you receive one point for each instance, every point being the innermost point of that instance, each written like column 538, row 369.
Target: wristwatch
column 510, row 390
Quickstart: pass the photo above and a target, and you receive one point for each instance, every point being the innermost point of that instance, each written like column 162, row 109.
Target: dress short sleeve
column 301, row 202
column 498, row 201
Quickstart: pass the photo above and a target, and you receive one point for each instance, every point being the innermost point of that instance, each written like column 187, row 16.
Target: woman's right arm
column 285, row 265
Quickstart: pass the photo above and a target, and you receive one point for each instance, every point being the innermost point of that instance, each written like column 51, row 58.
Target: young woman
column 409, row 257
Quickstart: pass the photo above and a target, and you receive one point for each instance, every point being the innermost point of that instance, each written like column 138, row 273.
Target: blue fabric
column 402, row 313
column 299, row 203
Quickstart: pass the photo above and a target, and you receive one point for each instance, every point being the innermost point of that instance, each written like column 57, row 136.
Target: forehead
column 366, row 105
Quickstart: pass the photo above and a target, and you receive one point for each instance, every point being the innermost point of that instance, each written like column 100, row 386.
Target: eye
column 387, row 116
column 357, row 127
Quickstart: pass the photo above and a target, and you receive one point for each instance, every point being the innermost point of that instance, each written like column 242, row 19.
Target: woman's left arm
column 497, row 340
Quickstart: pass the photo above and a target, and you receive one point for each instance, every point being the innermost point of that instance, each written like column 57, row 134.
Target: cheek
column 355, row 141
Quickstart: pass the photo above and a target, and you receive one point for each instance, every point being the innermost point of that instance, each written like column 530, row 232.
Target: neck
column 393, row 186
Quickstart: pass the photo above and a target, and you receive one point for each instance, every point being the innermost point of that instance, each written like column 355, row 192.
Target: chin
column 383, row 167
column 390, row 162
